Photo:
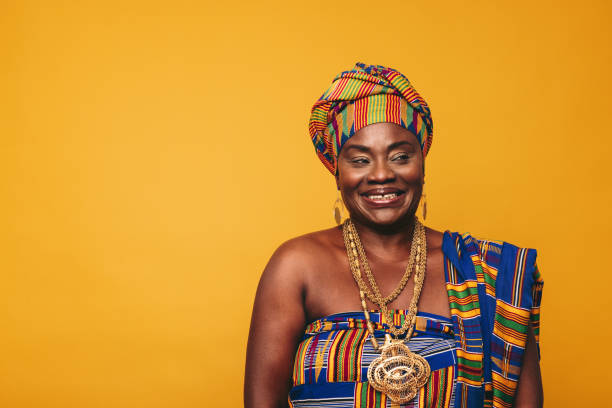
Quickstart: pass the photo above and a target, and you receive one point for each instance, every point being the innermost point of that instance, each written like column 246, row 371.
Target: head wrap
column 364, row 95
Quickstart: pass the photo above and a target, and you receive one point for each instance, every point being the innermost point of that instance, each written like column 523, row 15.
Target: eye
column 360, row 160
column 401, row 157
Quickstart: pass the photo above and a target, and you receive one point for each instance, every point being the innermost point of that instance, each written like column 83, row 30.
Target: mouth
column 383, row 196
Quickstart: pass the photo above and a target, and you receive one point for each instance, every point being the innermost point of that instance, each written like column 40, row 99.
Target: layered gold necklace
column 398, row 372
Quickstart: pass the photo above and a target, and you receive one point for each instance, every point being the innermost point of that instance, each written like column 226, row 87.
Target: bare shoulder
column 279, row 316
column 434, row 238
column 298, row 256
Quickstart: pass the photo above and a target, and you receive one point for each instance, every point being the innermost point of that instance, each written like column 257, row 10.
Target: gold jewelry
column 374, row 295
column 338, row 209
column 424, row 205
column 398, row 372
column 417, row 259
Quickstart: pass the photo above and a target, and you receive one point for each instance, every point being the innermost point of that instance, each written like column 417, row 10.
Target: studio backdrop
column 154, row 154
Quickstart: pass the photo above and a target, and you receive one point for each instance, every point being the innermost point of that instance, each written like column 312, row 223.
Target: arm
column 277, row 324
column 529, row 393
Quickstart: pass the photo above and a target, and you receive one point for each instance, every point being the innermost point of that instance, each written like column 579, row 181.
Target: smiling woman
column 380, row 174
column 381, row 310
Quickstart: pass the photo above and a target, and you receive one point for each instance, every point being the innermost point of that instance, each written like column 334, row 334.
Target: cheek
column 348, row 178
column 347, row 187
column 412, row 174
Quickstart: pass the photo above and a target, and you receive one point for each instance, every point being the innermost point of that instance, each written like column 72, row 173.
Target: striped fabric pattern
column 368, row 397
column 438, row 392
column 331, row 363
column 365, row 95
column 495, row 292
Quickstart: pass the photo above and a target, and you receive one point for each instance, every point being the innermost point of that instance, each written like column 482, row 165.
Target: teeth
column 389, row 196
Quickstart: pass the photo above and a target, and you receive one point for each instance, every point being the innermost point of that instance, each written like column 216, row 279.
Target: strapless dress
column 332, row 360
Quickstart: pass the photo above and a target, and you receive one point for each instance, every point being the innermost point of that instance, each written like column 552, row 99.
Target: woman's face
column 380, row 174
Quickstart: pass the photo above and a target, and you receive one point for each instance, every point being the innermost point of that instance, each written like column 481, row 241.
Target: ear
column 423, row 171
column 337, row 176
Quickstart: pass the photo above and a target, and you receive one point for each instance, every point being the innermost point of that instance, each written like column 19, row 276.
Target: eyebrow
column 392, row 146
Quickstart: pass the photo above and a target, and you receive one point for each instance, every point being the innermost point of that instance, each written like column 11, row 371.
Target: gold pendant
column 398, row 372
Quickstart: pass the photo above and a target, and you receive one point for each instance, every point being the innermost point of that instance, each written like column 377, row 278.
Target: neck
column 396, row 238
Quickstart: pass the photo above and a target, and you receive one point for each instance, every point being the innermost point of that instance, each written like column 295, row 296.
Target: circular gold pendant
column 398, row 372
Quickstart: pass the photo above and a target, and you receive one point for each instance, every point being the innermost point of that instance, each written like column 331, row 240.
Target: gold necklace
column 416, row 259
column 398, row 372
column 374, row 295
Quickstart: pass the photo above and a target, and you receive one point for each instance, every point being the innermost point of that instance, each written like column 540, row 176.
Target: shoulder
column 509, row 271
column 309, row 247
column 297, row 256
column 434, row 238
column 490, row 252
column 498, row 260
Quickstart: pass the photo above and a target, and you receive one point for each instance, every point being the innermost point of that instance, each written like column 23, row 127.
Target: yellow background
column 154, row 154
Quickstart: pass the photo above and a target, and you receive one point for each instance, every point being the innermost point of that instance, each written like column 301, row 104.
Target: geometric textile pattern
column 333, row 358
column 365, row 95
column 495, row 292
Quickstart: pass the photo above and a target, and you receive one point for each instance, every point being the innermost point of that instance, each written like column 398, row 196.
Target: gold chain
column 418, row 260
column 375, row 295
column 397, row 372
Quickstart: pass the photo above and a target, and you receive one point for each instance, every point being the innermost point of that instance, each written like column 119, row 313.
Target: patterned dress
column 494, row 292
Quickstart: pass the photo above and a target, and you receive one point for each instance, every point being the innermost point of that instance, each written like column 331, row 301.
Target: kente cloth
column 494, row 291
column 365, row 95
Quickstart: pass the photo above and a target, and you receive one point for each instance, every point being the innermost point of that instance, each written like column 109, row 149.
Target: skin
column 290, row 293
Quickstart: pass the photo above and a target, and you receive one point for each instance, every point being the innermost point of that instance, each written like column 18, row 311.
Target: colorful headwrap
column 364, row 95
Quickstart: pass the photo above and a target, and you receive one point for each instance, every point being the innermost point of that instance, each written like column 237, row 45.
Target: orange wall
column 154, row 154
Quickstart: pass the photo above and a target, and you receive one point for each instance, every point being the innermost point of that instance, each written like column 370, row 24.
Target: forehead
column 381, row 135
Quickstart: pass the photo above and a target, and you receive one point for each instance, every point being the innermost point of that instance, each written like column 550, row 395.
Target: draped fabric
column 494, row 292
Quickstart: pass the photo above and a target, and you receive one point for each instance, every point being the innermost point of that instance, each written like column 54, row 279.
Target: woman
column 382, row 311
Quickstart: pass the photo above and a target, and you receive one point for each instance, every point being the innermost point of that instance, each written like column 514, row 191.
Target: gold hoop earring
column 424, row 205
column 338, row 209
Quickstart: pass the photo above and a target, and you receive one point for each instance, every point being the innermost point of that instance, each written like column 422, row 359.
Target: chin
column 385, row 219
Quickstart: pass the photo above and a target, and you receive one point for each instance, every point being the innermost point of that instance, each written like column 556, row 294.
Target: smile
column 383, row 197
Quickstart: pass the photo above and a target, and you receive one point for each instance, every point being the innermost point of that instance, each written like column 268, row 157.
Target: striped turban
column 364, row 95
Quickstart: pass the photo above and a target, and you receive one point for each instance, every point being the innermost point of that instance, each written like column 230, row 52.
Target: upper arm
column 277, row 324
column 518, row 292
column 529, row 393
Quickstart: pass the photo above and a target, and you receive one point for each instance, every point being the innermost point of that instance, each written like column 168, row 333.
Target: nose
column 381, row 172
